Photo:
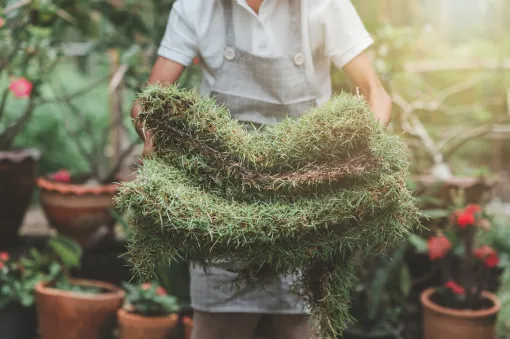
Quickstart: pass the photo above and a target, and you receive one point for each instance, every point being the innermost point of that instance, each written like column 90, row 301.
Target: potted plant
column 461, row 307
column 19, row 273
column 149, row 312
column 75, row 204
column 19, row 91
column 75, row 308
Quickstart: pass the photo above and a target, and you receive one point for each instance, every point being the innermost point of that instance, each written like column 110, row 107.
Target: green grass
column 286, row 198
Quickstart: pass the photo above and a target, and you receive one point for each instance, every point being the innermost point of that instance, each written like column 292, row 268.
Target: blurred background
column 69, row 73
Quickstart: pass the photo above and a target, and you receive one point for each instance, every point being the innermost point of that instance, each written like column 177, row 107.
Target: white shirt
column 331, row 28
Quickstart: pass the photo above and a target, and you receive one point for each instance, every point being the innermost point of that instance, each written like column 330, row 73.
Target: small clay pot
column 446, row 323
column 134, row 326
column 72, row 315
column 76, row 211
column 17, row 182
column 188, row 327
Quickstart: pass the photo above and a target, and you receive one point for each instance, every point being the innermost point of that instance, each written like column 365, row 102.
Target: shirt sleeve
column 180, row 41
column 345, row 34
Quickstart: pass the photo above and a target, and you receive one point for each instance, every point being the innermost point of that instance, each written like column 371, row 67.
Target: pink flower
column 2, row 22
column 438, row 247
column 4, row 256
column 21, row 87
column 455, row 288
column 62, row 176
column 160, row 291
column 146, row 286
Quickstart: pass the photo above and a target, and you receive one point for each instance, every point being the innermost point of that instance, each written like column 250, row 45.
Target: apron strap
column 295, row 22
column 230, row 38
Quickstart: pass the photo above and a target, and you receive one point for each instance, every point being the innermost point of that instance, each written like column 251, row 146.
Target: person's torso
column 266, row 35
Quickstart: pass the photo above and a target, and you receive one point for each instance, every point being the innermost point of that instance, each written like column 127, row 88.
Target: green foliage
column 286, row 198
column 65, row 285
column 150, row 300
column 379, row 295
column 18, row 276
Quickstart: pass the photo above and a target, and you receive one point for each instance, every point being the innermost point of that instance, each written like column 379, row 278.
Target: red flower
column 196, row 61
column 492, row 261
column 21, row 87
column 146, row 286
column 2, row 22
column 455, row 288
column 160, row 291
column 473, row 208
column 4, row 256
column 62, row 176
column 487, row 255
column 438, row 247
column 465, row 219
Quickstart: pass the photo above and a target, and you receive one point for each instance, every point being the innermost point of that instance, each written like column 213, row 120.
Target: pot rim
column 20, row 155
column 114, row 292
column 75, row 189
column 429, row 304
column 171, row 318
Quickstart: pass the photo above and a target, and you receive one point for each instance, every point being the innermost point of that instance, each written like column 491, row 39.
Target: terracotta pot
column 445, row 323
column 188, row 327
column 71, row 315
column 17, row 178
column 77, row 211
column 134, row 326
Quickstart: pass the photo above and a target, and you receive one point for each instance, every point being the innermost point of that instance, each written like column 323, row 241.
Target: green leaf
column 419, row 244
column 405, row 280
column 436, row 213
column 67, row 249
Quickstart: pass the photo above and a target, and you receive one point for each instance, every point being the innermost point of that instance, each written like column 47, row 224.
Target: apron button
column 299, row 59
column 229, row 54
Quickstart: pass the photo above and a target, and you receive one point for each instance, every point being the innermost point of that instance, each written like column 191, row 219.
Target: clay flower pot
column 134, row 326
column 446, row 323
column 188, row 327
column 17, row 179
column 66, row 314
column 74, row 210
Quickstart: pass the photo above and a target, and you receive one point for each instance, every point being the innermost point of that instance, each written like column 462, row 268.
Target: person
column 262, row 59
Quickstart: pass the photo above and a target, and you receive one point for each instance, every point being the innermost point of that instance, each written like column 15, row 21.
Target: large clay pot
column 77, row 211
column 134, row 326
column 188, row 327
column 72, row 315
column 17, row 178
column 445, row 323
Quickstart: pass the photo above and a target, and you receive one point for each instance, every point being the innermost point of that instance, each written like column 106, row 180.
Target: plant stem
column 7, row 138
column 470, row 282
column 3, row 101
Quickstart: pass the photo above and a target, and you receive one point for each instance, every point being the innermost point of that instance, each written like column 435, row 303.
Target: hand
column 148, row 144
column 381, row 103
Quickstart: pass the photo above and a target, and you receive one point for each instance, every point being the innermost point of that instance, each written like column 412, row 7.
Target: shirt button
column 299, row 59
column 229, row 54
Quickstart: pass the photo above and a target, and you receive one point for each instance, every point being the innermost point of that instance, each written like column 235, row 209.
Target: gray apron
column 257, row 90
